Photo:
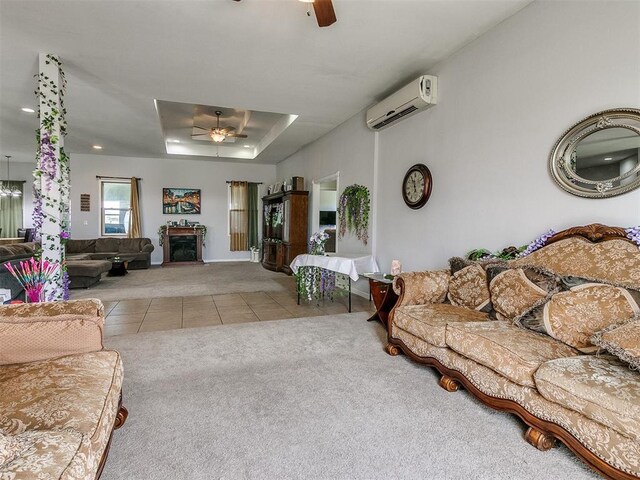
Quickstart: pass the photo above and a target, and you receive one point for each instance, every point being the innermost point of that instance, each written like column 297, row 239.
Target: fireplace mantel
column 182, row 246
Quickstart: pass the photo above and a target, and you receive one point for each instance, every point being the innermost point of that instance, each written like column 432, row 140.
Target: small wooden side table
column 384, row 298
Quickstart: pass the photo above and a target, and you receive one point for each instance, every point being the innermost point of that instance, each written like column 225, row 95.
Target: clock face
column 416, row 187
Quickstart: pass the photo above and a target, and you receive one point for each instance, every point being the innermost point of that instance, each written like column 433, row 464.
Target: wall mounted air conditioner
column 419, row 95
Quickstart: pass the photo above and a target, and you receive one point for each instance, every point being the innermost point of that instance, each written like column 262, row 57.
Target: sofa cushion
column 11, row 447
column 38, row 337
column 602, row 388
column 79, row 256
column 622, row 340
column 15, row 251
column 132, row 245
column 107, row 245
column 468, row 288
column 573, row 317
column 80, row 246
column 614, row 261
column 70, row 392
column 88, row 268
column 53, row 455
column 429, row 322
column 513, row 352
column 423, row 287
column 515, row 291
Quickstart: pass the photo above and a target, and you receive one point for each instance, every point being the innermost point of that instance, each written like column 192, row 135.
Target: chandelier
column 5, row 190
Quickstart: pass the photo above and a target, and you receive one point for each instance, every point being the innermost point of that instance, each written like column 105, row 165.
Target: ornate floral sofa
column 60, row 391
column 590, row 402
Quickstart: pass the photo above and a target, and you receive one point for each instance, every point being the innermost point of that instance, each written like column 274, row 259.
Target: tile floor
column 168, row 313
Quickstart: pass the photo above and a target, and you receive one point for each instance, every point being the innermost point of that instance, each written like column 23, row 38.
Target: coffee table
column 119, row 264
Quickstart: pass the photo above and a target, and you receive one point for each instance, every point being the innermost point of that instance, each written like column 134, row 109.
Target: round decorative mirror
column 599, row 156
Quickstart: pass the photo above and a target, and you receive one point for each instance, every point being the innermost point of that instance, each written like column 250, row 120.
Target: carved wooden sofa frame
column 121, row 418
column 541, row 434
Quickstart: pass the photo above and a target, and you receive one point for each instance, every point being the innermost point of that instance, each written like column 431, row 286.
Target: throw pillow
column 468, row 288
column 574, row 316
column 11, row 447
column 458, row 263
column 515, row 291
column 622, row 340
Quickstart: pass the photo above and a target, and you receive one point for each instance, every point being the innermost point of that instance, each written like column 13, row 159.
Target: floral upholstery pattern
column 421, row 288
column 429, row 322
column 77, row 393
column 601, row 388
column 11, row 447
column 90, row 306
column 615, row 449
column 623, row 341
column 513, row 292
column 468, row 288
column 573, row 317
column 508, row 350
column 614, row 261
column 53, row 455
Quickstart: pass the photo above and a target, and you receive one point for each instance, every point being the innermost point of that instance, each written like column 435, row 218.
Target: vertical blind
column 11, row 211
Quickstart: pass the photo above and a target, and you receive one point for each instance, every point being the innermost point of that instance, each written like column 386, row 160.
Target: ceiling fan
column 218, row 134
column 325, row 14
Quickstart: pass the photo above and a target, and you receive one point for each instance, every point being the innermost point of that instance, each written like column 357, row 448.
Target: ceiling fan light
column 217, row 137
column 306, row 1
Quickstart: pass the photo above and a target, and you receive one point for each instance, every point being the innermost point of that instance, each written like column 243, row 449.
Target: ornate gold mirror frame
column 602, row 165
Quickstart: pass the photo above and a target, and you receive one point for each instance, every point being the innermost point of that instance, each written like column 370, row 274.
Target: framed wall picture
column 183, row 201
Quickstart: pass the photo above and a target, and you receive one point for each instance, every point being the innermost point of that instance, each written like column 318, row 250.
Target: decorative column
column 51, row 177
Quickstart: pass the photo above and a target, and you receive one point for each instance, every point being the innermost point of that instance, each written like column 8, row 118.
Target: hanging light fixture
column 6, row 191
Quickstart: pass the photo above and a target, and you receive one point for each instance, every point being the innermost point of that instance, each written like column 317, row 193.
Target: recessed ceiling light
column 608, row 158
column 172, row 140
column 247, row 146
column 28, row 110
column 97, row 147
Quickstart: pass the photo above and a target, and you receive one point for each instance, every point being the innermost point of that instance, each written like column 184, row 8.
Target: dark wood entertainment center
column 286, row 237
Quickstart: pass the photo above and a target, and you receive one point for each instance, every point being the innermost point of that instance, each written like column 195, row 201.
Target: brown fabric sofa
column 103, row 248
column 60, row 391
column 589, row 402
column 83, row 270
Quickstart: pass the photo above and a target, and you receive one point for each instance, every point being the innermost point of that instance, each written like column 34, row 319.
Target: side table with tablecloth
column 350, row 265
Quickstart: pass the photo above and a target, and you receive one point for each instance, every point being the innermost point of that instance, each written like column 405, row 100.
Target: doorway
column 325, row 206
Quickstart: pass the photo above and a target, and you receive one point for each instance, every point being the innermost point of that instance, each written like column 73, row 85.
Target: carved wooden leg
column 121, row 417
column 449, row 384
column 392, row 350
column 539, row 439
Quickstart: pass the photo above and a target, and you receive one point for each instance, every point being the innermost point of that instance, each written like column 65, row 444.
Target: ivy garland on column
column 353, row 212
column 51, row 187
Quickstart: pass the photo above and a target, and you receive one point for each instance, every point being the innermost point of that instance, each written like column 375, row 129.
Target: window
column 115, row 207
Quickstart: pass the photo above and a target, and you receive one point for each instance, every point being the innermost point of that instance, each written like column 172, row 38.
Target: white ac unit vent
column 419, row 95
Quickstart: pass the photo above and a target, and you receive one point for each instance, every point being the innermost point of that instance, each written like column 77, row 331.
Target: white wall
column 504, row 100
column 207, row 175
column 348, row 149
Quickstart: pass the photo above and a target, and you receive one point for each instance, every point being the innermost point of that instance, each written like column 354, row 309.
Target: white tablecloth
column 351, row 265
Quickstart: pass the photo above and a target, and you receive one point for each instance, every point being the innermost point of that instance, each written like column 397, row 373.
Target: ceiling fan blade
column 325, row 14
column 200, row 135
column 237, row 135
column 201, row 128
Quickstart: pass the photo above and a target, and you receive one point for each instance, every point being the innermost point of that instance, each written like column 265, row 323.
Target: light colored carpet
column 188, row 280
column 313, row 398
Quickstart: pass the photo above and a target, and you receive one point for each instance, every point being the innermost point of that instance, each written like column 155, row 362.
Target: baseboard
column 216, row 260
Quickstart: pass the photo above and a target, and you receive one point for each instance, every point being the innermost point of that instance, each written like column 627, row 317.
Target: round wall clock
column 416, row 186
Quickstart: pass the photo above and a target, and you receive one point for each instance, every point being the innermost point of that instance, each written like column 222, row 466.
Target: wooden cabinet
column 285, row 234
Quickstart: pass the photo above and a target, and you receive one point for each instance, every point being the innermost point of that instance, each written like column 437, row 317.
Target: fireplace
column 183, row 248
column 182, row 245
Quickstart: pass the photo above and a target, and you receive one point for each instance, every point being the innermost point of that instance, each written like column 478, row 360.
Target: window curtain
column 135, row 231
column 11, row 211
column 239, row 216
column 253, row 215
